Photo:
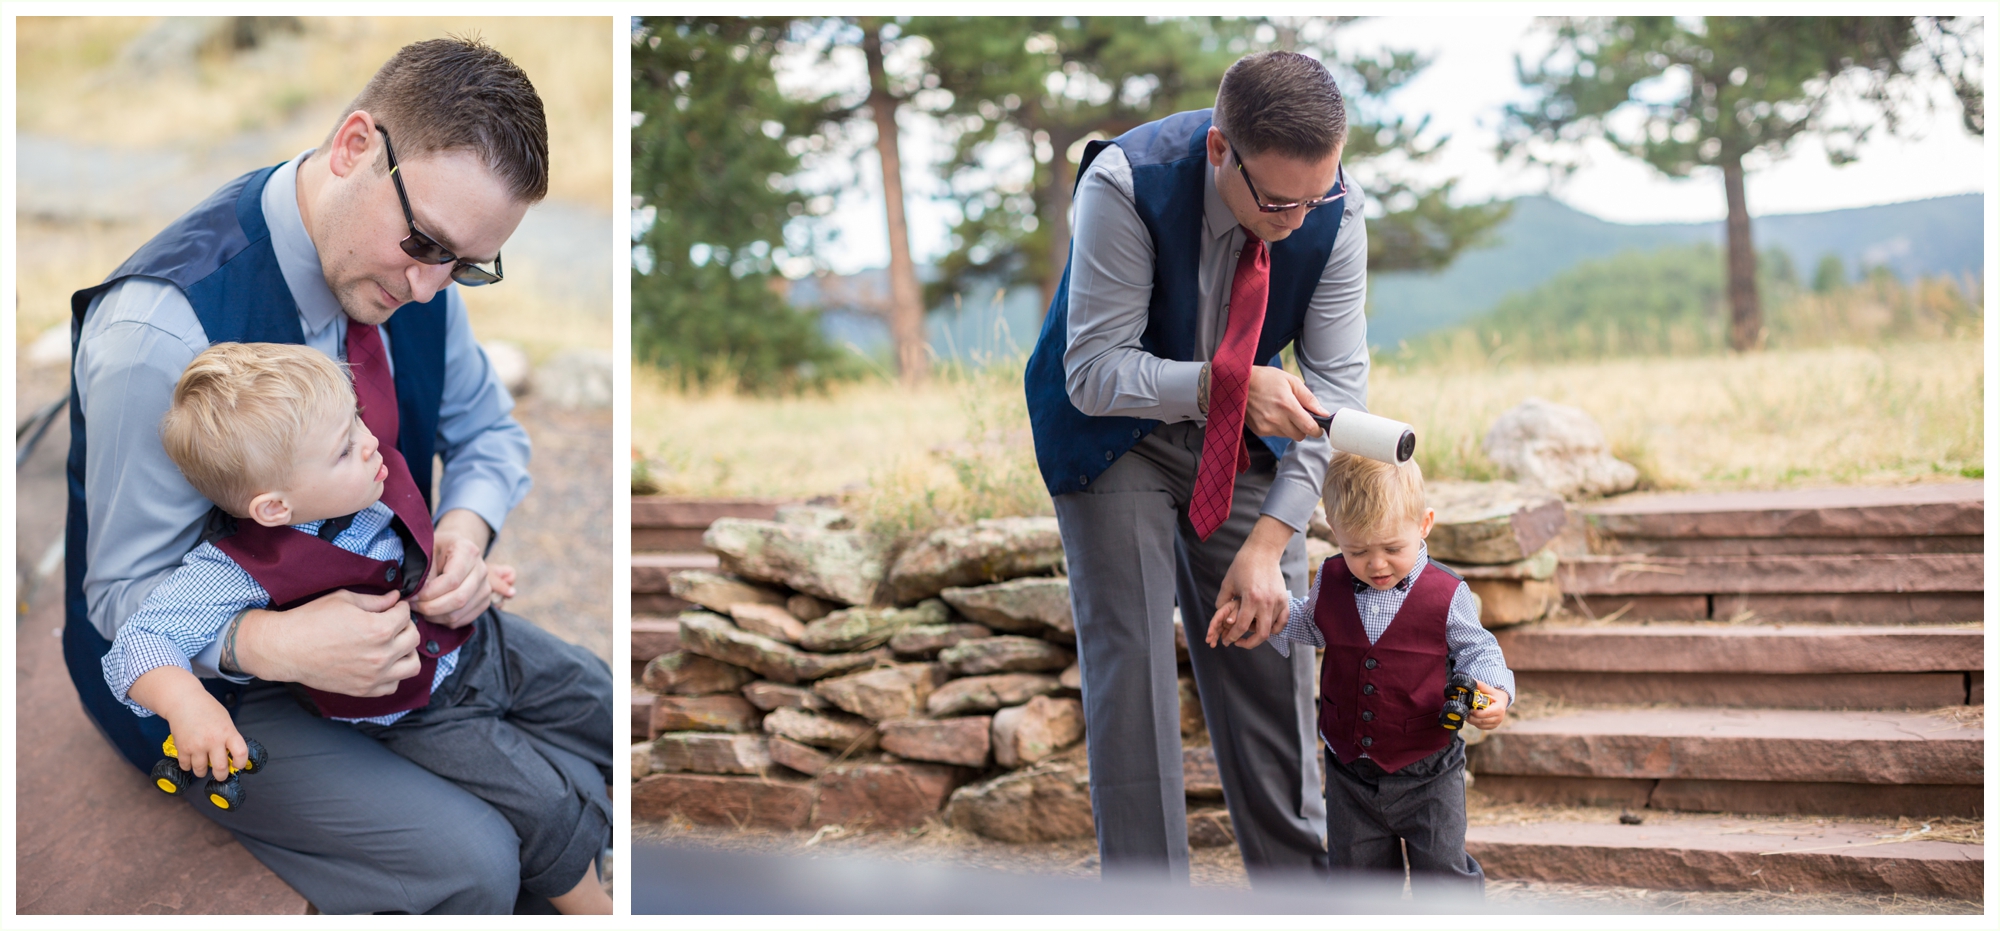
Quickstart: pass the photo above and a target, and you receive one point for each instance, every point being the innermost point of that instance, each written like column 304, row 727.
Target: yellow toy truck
column 226, row 794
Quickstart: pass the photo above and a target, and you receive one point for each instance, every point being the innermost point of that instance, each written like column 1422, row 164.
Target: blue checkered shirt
column 185, row 615
column 1469, row 645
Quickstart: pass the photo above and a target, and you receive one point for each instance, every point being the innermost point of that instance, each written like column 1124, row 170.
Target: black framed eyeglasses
column 1339, row 190
column 427, row 250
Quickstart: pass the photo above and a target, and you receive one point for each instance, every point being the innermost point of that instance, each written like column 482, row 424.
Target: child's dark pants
column 1422, row 805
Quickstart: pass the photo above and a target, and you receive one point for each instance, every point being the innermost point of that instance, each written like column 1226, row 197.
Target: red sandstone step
column 1723, row 853
column 1743, row 648
column 1935, row 510
column 1861, row 608
column 1772, row 575
column 672, row 523
column 1739, row 745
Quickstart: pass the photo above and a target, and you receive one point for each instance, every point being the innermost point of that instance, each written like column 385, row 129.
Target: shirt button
column 1369, row 663
column 1368, row 689
column 1368, row 741
column 389, row 574
column 1367, row 715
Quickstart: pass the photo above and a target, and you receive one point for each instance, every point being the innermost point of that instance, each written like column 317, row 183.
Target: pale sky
column 1468, row 83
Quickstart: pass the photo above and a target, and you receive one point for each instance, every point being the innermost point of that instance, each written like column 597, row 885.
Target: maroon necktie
column 1222, row 452
column 375, row 389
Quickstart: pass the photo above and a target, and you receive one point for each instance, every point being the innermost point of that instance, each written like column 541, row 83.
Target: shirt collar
column 1216, row 219
column 1423, row 559
column 298, row 260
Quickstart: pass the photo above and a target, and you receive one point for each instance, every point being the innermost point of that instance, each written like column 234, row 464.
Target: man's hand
column 204, row 737
column 1492, row 715
column 340, row 642
column 1278, row 405
column 459, row 587
column 1253, row 601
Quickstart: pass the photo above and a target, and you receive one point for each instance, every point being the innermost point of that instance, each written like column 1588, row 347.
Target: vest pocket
column 1421, row 724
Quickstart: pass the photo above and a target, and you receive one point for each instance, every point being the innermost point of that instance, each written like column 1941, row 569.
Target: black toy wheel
column 226, row 794
column 258, row 757
column 1452, row 717
column 170, row 778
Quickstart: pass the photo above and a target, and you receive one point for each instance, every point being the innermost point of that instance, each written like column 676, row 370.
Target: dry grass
column 76, row 81
column 960, row 448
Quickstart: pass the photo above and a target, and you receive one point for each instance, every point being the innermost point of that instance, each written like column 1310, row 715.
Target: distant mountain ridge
column 1544, row 237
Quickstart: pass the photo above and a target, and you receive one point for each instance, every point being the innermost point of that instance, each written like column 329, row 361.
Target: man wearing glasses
column 353, row 252
column 1185, row 463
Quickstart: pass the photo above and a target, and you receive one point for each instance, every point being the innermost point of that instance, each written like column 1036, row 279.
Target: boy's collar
column 1423, row 559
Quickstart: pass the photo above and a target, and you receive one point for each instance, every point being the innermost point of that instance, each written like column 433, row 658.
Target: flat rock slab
column 868, row 628
column 1036, row 607
column 699, row 752
column 1772, row 575
column 927, row 640
column 652, row 573
column 884, row 795
column 1945, row 508
column 720, row 593
column 720, row 639
column 1724, row 853
column 1743, row 648
column 768, row 620
column 886, row 692
column 676, row 523
column 989, row 693
column 1758, row 745
column 1832, row 799
column 734, row 801
column 964, row 741
column 771, row 696
column 1005, row 654
column 838, row 565
column 1047, row 801
column 1200, row 776
column 685, row 673
column 794, row 755
column 1491, row 522
column 1028, row 733
column 836, row 732
column 642, row 712
column 992, row 550
column 722, row 713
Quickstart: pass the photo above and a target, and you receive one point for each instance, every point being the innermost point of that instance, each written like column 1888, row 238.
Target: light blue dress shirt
column 138, row 337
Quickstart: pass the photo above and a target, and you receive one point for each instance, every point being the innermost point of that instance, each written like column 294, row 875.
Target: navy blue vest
column 219, row 254
column 1168, row 158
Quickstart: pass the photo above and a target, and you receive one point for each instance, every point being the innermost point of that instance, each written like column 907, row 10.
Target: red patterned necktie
column 1222, row 452
column 375, row 389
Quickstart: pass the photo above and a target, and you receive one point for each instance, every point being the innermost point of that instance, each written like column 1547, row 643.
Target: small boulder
column 576, row 378
column 1489, row 523
column 718, row 592
column 725, row 713
column 882, row 693
column 1027, row 733
column 839, row 733
column 868, row 628
column 839, row 565
column 642, row 760
column 685, row 673
column 770, row 696
column 1047, row 801
column 926, row 640
column 722, row 754
column 988, row 693
column 1072, row 678
column 797, row 756
column 509, row 361
column 958, row 741
column 768, row 621
column 1005, row 654
column 1037, row 607
column 809, row 609
column 992, row 550
column 1559, row 448
column 816, row 516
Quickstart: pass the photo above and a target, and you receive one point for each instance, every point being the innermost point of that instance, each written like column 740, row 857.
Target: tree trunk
column 1746, row 319
column 1061, row 187
column 906, row 300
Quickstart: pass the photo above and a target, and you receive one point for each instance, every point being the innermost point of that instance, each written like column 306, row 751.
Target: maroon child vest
column 1383, row 700
column 295, row 568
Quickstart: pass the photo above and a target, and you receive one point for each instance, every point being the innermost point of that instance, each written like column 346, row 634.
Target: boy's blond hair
column 240, row 411
column 1364, row 494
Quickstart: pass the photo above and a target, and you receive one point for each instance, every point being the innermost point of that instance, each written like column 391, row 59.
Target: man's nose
column 427, row 280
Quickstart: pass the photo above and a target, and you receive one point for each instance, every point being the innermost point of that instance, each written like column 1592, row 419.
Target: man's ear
column 352, row 145
column 1218, row 147
column 270, row 509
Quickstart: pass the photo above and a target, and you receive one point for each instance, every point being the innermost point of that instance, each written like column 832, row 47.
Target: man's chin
column 369, row 309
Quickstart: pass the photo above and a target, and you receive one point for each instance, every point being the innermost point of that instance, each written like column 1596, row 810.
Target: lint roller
column 1365, row 434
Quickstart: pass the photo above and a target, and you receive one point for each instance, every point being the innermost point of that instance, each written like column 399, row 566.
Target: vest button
column 1369, row 663
column 1368, row 741
column 1135, row 434
column 1367, row 715
column 1368, row 689
column 389, row 574
column 1107, row 456
column 1083, row 479
column 432, row 647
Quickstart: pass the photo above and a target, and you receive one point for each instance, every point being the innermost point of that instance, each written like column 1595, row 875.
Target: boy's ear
column 270, row 509
column 1430, row 517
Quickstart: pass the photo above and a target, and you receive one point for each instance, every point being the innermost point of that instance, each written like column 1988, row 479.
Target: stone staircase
column 666, row 538
column 1749, row 675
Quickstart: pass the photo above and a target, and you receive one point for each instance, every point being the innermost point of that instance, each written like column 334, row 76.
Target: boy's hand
column 1492, row 715
column 502, row 578
column 204, row 736
column 1253, row 601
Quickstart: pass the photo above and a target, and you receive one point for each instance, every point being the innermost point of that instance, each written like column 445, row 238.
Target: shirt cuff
column 491, row 504
column 133, row 655
column 1291, row 502
column 1179, row 389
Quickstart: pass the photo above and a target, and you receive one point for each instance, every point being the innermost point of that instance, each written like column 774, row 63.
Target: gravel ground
column 935, row 844
column 560, row 536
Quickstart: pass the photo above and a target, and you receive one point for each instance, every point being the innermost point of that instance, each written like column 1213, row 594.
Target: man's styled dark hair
column 1280, row 102
column 455, row 93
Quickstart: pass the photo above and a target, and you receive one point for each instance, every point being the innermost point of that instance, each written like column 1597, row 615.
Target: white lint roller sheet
column 1365, row 434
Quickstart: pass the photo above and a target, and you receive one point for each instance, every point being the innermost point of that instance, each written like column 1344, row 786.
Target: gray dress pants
column 1132, row 556
column 357, row 828
column 1414, row 817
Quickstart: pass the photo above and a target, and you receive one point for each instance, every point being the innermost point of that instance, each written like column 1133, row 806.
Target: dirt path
column 935, row 844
